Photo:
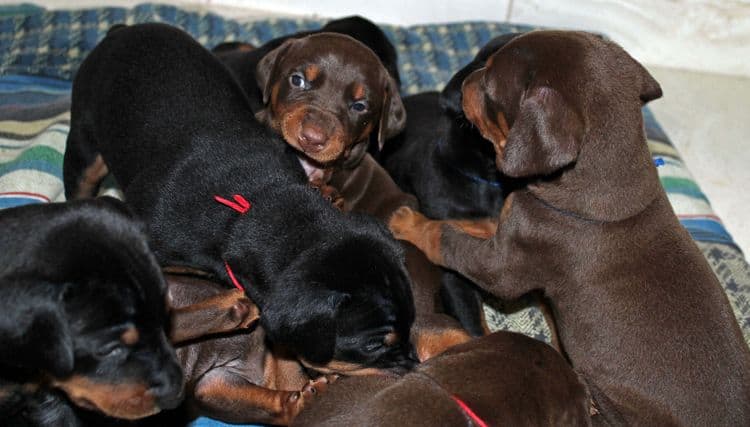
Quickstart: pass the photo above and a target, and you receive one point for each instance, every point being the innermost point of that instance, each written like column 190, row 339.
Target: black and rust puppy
column 640, row 313
column 368, row 188
column 237, row 376
column 445, row 162
column 83, row 312
column 326, row 92
column 220, row 193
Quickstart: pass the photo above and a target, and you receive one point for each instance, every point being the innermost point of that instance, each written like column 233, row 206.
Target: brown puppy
column 236, row 376
column 639, row 312
column 502, row 379
column 326, row 93
column 369, row 189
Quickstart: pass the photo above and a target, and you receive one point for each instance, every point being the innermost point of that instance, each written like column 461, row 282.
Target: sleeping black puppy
column 444, row 161
column 82, row 312
column 220, row 193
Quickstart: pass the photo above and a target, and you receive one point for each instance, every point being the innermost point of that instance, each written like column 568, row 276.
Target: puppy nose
column 312, row 139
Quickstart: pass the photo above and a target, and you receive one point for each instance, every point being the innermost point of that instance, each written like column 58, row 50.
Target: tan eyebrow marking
column 130, row 336
column 359, row 91
column 311, row 72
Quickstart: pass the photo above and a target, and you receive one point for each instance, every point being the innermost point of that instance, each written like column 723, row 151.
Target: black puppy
column 220, row 193
column 443, row 160
column 82, row 311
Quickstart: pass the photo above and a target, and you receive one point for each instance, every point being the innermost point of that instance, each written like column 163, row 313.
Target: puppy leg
column 83, row 167
column 226, row 396
column 436, row 333
column 462, row 300
column 407, row 224
column 461, row 246
column 224, row 312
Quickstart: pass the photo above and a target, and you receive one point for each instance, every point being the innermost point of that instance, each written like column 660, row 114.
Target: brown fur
column 317, row 119
column 639, row 312
column 233, row 375
column 124, row 400
column 504, row 378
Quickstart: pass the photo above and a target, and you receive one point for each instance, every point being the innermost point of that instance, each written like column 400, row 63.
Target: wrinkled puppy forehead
column 337, row 53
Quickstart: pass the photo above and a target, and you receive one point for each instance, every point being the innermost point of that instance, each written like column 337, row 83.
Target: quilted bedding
column 40, row 51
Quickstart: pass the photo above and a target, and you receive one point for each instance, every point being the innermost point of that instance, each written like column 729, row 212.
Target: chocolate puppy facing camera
column 82, row 305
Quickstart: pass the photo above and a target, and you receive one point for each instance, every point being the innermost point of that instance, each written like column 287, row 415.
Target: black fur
column 73, row 278
column 444, row 161
column 176, row 130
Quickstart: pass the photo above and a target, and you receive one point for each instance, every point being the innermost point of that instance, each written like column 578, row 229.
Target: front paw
column 404, row 222
column 298, row 400
column 332, row 195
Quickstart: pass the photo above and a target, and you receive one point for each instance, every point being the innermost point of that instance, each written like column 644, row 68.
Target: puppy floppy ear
column 304, row 324
column 545, row 136
column 650, row 88
column 34, row 331
column 392, row 114
column 268, row 66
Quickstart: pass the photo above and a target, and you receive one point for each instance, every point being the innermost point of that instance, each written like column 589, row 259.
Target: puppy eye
column 297, row 80
column 359, row 106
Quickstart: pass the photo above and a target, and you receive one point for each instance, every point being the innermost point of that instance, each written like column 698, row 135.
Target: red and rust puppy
column 368, row 188
column 639, row 311
column 237, row 376
column 83, row 311
column 500, row 379
column 324, row 92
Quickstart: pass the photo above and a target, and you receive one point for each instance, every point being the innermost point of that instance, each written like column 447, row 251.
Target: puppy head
column 327, row 92
column 100, row 331
column 450, row 97
column 538, row 94
column 351, row 311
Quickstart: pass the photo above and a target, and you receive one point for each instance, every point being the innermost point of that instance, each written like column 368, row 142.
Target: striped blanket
column 40, row 51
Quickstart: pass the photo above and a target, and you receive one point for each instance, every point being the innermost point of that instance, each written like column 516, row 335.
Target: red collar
column 474, row 417
column 241, row 205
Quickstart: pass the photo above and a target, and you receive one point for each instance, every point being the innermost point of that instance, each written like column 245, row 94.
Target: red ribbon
column 474, row 417
column 234, row 280
column 240, row 204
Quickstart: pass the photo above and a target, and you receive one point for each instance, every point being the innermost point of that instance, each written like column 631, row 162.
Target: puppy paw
column 297, row 400
column 403, row 222
column 243, row 311
column 332, row 195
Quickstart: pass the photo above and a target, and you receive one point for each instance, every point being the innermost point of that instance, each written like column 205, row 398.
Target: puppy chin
column 315, row 173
